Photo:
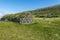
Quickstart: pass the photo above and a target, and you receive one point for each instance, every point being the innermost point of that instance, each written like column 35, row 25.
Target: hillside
column 48, row 29
column 51, row 11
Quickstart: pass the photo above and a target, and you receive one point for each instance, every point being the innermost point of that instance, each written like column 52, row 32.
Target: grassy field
column 42, row 29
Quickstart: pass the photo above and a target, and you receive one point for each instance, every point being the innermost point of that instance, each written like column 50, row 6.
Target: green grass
column 43, row 29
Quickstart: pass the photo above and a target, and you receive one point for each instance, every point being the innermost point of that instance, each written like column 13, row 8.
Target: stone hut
column 27, row 18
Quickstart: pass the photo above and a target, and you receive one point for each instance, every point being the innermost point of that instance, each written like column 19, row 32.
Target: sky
column 14, row 6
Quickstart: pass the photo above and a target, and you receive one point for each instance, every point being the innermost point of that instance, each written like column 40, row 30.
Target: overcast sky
column 13, row 6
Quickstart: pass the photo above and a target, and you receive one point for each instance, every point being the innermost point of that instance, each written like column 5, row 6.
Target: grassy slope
column 45, row 29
